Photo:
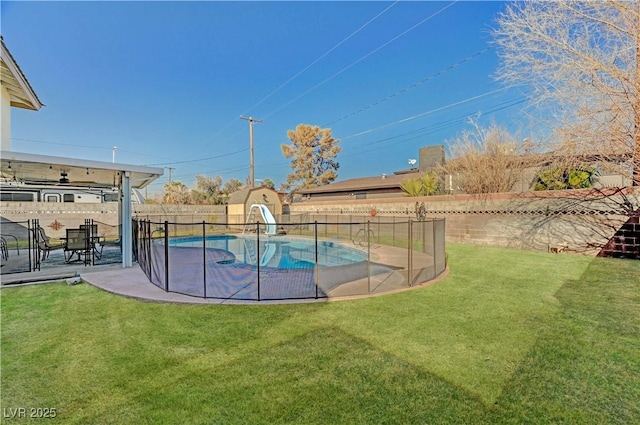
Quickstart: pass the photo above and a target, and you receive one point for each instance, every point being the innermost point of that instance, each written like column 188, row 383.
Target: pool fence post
column 368, row 256
column 393, row 231
column 316, row 268
column 410, row 251
column 31, row 233
column 166, row 256
column 204, row 257
column 433, row 247
column 149, row 234
column 258, row 255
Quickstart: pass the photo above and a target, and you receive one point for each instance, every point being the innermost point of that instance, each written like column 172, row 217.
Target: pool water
column 281, row 252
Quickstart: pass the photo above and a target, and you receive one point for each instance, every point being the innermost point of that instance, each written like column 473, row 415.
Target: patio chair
column 96, row 240
column 4, row 249
column 43, row 242
column 76, row 243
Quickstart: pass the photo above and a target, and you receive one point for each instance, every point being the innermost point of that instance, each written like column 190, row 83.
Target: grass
column 508, row 337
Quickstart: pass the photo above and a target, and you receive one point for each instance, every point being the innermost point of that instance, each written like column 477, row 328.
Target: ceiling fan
column 64, row 177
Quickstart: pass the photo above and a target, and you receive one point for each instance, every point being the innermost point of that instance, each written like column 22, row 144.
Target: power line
column 420, row 132
column 201, row 159
column 362, row 58
column 324, row 55
column 422, row 114
column 310, row 65
column 413, row 86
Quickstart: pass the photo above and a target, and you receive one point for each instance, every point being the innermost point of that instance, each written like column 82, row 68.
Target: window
column 68, row 197
column 110, row 197
column 51, row 197
column 17, row 196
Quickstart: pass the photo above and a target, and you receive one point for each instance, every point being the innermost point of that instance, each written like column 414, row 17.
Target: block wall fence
column 572, row 221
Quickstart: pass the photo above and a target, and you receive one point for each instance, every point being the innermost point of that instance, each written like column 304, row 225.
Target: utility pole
column 170, row 169
column 251, row 121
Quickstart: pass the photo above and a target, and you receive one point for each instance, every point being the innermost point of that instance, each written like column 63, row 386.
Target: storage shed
column 240, row 203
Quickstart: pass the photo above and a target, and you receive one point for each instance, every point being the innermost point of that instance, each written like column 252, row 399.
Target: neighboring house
column 384, row 186
column 16, row 92
column 431, row 157
column 376, row 187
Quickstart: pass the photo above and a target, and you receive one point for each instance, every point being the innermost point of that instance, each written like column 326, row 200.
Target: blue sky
column 167, row 82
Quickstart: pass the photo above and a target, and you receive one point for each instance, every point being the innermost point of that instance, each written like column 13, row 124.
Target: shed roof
column 241, row 196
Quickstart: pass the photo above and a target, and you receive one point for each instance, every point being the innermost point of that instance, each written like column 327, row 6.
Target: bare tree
column 312, row 150
column 176, row 192
column 581, row 61
column 488, row 160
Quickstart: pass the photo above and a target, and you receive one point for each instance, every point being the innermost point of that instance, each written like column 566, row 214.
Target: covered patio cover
column 26, row 168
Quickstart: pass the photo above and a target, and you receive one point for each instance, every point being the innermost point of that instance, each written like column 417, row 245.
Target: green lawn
column 508, row 337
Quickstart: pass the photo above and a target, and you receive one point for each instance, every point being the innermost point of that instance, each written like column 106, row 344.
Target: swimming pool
column 280, row 252
column 306, row 260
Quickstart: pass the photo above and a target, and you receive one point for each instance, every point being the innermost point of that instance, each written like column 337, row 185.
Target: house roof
column 358, row 184
column 13, row 79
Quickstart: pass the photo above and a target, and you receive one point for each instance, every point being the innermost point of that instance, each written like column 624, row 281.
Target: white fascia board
column 13, row 67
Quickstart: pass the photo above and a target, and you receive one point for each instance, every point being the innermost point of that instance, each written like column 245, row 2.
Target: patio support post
column 125, row 240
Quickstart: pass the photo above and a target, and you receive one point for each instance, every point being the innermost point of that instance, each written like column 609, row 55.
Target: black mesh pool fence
column 289, row 260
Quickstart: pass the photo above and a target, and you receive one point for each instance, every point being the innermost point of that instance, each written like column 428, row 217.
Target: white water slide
column 268, row 218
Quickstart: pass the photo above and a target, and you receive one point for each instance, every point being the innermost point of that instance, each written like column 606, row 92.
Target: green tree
column 312, row 152
column 207, row 190
column 231, row 186
column 430, row 183
column 412, row 186
column 426, row 185
column 559, row 178
column 268, row 183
